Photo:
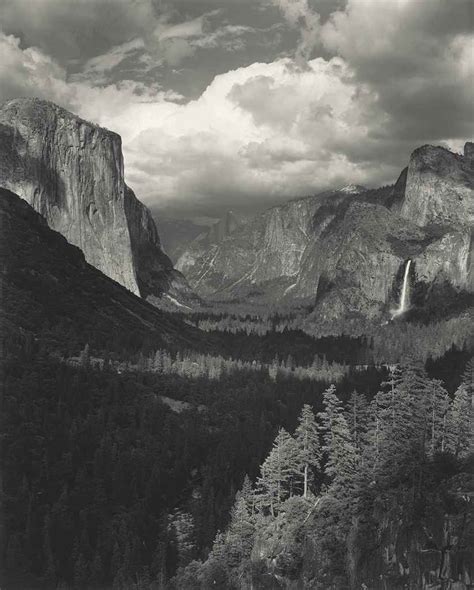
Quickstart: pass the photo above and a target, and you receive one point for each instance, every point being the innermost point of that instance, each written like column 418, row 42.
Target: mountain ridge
column 49, row 290
column 72, row 172
column 311, row 246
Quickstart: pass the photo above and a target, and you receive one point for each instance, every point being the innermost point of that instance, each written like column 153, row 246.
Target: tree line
column 368, row 494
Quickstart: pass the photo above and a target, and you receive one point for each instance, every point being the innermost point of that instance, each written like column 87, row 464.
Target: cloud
column 169, row 44
column 98, row 68
column 271, row 127
column 176, row 152
column 184, row 30
column 29, row 72
column 417, row 55
column 227, row 37
column 392, row 76
column 300, row 15
column 77, row 29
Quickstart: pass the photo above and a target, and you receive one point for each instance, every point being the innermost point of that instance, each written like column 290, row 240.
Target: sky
column 242, row 104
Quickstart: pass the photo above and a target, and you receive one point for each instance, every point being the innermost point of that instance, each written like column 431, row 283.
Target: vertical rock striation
column 439, row 196
column 71, row 172
column 344, row 252
column 440, row 187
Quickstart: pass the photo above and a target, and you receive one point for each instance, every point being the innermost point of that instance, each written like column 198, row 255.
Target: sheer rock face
column 265, row 249
column 71, row 172
column 358, row 249
column 440, row 187
column 439, row 194
column 344, row 252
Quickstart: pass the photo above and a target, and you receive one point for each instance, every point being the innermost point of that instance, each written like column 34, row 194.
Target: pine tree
column 356, row 416
column 248, row 494
column 278, row 472
column 338, row 445
column 438, row 405
column 468, row 375
column 239, row 538
column 307, row 440
column 460, row 423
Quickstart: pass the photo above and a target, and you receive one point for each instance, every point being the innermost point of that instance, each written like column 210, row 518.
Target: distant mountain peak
column 353, row 189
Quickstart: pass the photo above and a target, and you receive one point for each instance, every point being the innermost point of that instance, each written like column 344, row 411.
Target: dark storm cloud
column 289, row 97
column 70, row 30
column 417, row 57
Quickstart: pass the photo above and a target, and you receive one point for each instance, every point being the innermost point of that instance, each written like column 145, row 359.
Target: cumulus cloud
column 29, row 72
column 271, row 127
column 391, row 76
column 417, row 55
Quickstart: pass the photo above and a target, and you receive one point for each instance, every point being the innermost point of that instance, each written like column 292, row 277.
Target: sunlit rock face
column 448, row 257
column 440, row 187
column 265, row 249
column 344, row 252
column 360, row 252
column 71, row 172
column 439, row 195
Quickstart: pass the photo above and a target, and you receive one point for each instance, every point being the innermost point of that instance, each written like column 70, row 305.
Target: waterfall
column 403, row 305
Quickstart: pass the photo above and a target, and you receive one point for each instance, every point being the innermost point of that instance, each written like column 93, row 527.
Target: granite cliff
column 250, row 253
column 343, row 253
column 71, row 172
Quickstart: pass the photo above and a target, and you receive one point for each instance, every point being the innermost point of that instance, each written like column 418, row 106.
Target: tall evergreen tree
column 460, row 423
column 338, row 445
column 278, row 472
column 356, row 416
column 307, row 440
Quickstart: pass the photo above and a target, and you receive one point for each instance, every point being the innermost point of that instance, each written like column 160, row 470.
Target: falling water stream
column 403, row 305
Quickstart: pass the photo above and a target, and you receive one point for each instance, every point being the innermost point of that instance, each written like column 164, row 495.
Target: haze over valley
column 237, row 295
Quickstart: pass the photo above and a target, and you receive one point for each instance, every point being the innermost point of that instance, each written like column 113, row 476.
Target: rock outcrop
column 343, row 253
column 71, row 172
column 440, row 187
column 249, row 253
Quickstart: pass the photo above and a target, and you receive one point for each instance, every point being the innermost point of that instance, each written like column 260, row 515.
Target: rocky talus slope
column 344, row 253
column 72, row 172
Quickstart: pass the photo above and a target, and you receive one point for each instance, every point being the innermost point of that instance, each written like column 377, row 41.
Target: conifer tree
column 278, row 472
column 460, row 423
column 356, row 416
column 239, row 538
column 338, row 445
column 307, row 440
column 468, row 375
column 85, row 356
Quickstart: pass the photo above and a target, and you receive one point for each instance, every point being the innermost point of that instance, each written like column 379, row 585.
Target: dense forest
column 367, row 494
column 120, row 475
column 136, row 450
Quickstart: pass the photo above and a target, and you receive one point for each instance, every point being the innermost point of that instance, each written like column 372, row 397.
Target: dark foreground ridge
column 49, row 290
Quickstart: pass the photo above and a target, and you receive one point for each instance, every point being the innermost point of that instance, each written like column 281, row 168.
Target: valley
column 289, row 405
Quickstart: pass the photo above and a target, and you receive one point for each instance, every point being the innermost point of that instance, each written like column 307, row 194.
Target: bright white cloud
column 270, row 131
column 29, row 72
